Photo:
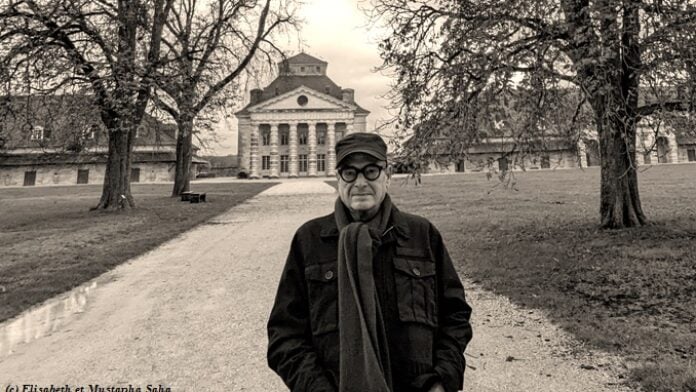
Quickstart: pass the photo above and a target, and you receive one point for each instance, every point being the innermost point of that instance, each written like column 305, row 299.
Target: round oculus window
column 302, row 100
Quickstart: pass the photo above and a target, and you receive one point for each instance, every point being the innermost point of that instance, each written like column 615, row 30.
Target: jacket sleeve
column 454, row 331
column 290, row 350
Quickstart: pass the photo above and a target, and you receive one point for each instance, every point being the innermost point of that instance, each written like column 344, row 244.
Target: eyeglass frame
column 361, row 171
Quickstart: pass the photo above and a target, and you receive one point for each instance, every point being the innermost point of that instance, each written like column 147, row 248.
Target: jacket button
column 416, row 271
column 328, row 275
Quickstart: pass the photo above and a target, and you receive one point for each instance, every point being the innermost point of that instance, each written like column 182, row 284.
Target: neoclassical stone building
column 290, row 128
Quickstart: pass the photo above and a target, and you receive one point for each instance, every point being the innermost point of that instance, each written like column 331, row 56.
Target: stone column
column 292, row 166
column 641, row 146
column 312, row 156
column 654, row 156
column 331, row 149
column 254, row 169
column 275, row 158
column 673, row 148
column 582, row 153
column 349, row 128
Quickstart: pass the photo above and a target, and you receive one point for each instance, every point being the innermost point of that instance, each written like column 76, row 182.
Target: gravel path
column 191, row 316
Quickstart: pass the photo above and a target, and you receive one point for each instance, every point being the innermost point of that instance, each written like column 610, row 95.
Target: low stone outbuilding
column 60, row 140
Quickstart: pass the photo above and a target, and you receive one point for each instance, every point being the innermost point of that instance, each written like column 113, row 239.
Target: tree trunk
column 184, row 156
column 116, row 193
column 620, row 205
column 616, row 109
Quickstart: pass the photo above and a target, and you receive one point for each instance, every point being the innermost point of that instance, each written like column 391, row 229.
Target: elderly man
column 369, row 300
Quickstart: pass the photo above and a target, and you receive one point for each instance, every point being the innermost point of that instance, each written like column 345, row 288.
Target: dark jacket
column 423, row 305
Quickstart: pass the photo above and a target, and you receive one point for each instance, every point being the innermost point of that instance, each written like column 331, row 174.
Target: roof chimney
column 255, row 96
column 348, row 95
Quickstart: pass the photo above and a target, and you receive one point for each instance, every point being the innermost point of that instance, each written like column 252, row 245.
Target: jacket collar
column 397, row 221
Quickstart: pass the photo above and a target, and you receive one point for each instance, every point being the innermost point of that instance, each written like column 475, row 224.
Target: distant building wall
column 487, row 161
column 157, row 172
column 360, row 124
column 68, row 174
column 687, row 153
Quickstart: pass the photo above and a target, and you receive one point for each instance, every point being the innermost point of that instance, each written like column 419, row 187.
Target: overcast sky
column 337, row 32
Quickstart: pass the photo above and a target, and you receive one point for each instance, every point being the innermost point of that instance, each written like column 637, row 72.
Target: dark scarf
column 364, row 358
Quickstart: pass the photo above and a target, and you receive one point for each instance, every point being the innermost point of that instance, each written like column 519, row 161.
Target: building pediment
column 301, row 99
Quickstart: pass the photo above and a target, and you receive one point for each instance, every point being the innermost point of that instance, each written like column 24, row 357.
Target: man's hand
column 437, row 388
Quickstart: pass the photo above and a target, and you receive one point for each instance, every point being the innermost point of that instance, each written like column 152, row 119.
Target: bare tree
column 209, row 45
column 455, row 59
column 110, row 46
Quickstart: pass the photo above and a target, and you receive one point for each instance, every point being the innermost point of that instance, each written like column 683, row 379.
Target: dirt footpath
column 191, row 316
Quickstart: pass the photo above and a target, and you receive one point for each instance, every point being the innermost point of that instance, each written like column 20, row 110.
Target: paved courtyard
column 191, row 316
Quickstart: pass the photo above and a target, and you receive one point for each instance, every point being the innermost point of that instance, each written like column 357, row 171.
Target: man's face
column 363, row 195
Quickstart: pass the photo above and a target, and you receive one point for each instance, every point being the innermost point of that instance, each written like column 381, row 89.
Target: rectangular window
column 321, row 138
column 83, row 176
column 266, row 162
column 37, row 133
column 303, row 162
column 545, row 162
column 321, row 162
column 691, row 154
column 503, row 164
column 284, row 163
column 339, row 135
column 461, row 166
column 302, row 136
column 266, row 138
column 135, row 174
column 647, row 158
column 30, row 178
column 284, row 138
column 92, row 132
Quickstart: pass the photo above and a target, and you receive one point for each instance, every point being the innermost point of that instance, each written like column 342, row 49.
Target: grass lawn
column 631, row 291
column 51, row 242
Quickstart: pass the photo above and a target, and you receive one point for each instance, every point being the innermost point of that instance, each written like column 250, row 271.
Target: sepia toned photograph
column 348, row 195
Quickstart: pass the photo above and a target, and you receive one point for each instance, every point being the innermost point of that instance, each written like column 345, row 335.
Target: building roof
column 41, row 159
column 287, row 81
column 68, row 119
column 303, row 58
column 685, row 138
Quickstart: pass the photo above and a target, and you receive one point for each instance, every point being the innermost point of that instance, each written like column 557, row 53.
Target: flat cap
column 364, row 142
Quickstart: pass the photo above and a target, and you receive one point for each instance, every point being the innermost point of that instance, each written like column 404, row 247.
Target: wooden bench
column 193, row 197
column 197, row 197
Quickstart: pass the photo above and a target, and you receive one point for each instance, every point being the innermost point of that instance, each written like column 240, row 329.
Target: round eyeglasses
column 370, row 172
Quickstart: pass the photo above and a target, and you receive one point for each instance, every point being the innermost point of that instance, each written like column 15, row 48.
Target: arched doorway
column 662, row 149
column 592, row 152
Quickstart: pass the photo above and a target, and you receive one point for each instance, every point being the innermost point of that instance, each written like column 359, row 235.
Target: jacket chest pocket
column 415, row 289
column 322, row 288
